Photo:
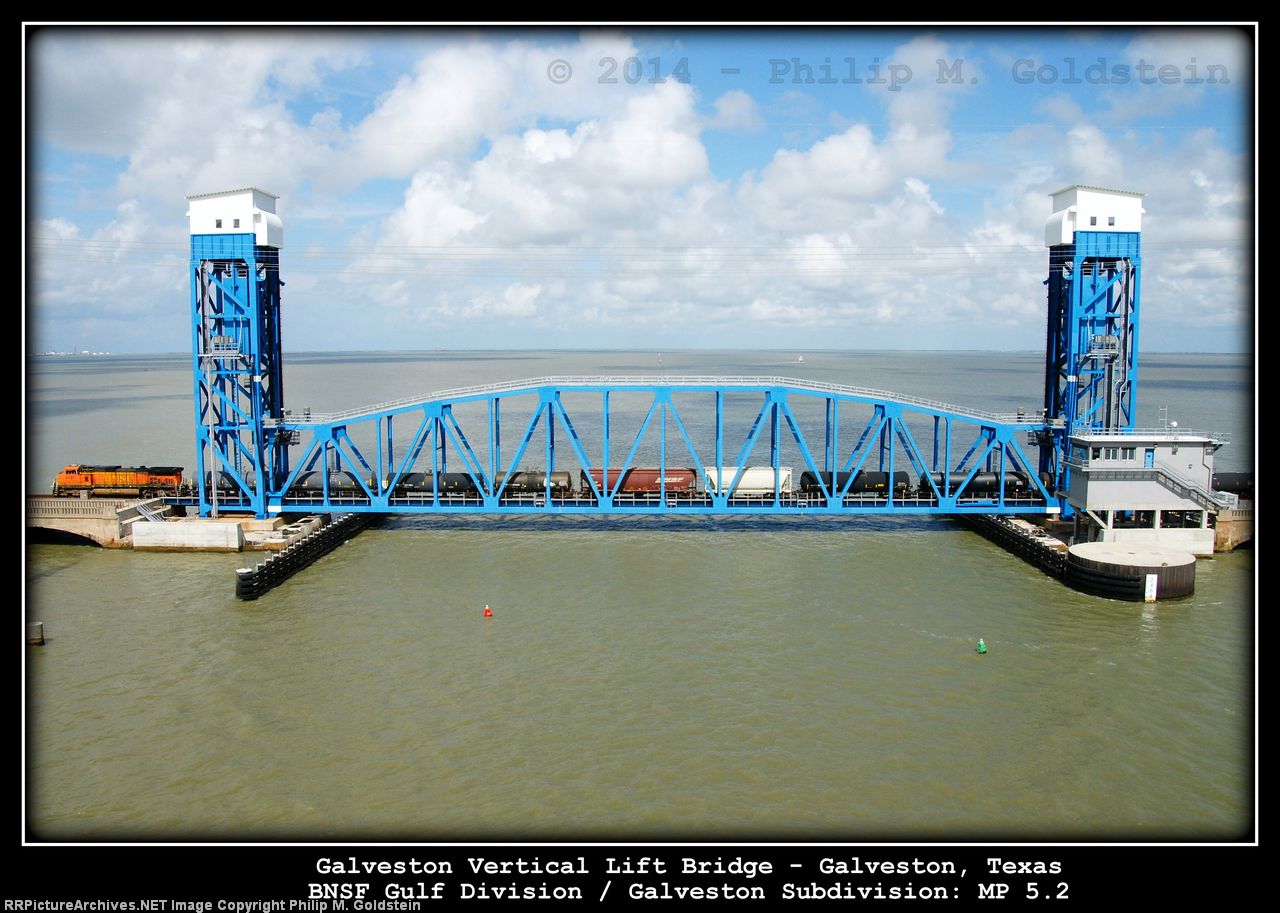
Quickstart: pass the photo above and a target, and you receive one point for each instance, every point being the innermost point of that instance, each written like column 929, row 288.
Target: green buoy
column 982, row 647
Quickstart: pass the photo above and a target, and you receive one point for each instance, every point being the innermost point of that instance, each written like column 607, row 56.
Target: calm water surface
column 641, row 677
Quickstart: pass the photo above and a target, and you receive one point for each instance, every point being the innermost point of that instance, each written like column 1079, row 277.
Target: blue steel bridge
column 753, row 445
column 572, row 444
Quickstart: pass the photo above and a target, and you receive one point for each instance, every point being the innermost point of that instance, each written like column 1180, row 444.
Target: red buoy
column 488, row 613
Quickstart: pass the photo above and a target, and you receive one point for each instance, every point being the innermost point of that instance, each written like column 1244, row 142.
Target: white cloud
column 59, row 229
column 654, row 144
column 1212, row 54
column 798, row 189
column 455, row 96
column 109, row 286
column 546, row 186
column 191, row 111
column 1171, row 69
column 736, row 110
column 828, row 183
column 518, row 300
column 1089, row 156
column 432, row 216
column 1061, row 107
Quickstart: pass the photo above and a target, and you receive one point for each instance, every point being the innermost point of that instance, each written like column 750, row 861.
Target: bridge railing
column 96, row 508
column 1155, row 432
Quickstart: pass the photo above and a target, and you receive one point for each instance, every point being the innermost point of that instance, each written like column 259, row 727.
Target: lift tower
column 237, row 367
column 1091, row 348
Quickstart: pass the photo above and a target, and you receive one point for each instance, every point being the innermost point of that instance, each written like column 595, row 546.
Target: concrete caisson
column 1123, row 571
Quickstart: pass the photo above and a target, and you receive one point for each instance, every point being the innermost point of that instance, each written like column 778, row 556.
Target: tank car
column 227, row 482
column 1236, row 483
column 534, row 482
column 982, row 483
column 834, row 481
column 874, row 481
column 425, row 483
column 339, row 482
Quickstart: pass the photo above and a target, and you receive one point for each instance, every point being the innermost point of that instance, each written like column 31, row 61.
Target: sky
column 636, row 188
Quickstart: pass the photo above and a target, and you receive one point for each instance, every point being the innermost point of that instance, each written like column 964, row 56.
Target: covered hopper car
column 755, row 480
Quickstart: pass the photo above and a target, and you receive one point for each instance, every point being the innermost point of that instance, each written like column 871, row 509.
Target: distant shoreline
column 75, row 354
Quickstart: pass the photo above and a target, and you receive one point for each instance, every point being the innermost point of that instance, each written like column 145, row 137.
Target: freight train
column 1237, row 483
column 752, row 481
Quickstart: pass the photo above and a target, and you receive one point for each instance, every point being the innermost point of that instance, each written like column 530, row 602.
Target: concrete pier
column 152, row 525
column 107, row 521
column 1132, row 572
column 1113, row 570
column 191, row 534
column 1233, row 528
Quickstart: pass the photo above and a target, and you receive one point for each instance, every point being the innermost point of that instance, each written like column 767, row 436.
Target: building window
column 217, row 223
column 1127, row 453
column 235, row 223
column 1112, row 453
column 1111, row 220
column 1093, row 220
column 1097, row 453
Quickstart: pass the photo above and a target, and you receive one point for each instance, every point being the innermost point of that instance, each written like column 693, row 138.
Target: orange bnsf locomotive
column 119, row 481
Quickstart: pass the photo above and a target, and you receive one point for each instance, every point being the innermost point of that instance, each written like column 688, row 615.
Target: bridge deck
column 699, row 503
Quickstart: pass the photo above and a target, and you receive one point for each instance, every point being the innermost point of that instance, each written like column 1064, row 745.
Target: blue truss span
column 697, row 445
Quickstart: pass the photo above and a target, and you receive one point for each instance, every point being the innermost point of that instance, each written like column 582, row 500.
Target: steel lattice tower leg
column 237, row 365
